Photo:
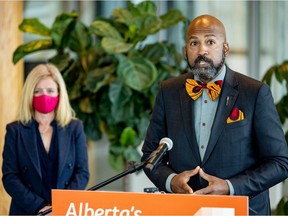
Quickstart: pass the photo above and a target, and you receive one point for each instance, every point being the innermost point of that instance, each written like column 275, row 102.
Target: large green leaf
column 63, row 62
column 149, row 24
column 282, row 108
column 123, row 114
column 278, row 74
column 284, row 69
column 72, row 73
column 282, row 207
column 127, row 137
column 154, row 51
column 113, row 46
column 138, row 73
column 143, row 122
column 171, row 18
column 91, row 125
column 62, row 27
column 268, row 75
column 142, row 9
column 34, row 26
column 118, row 93
column 99, row 77
column 131, row 33
column 94, row 57
column 122, row 107
column 31, row 47
column 133, row 9
column 131, row 154
column 86, row 105
column 122, row 15
column 147, row 7
column 105, row 29
column 80, row 39
column 75, row 91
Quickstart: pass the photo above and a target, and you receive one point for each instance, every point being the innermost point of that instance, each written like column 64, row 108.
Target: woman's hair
column 64, row 112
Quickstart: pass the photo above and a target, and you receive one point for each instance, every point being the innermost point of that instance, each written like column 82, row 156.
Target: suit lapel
column 226, row 103
column 63, row 146
column 29, row 139
column 187, row 109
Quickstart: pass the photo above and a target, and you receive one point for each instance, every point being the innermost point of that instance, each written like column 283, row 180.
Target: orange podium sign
column 103, row 203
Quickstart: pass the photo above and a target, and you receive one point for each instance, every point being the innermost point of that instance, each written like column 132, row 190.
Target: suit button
column 70, row 165
column 66, row 183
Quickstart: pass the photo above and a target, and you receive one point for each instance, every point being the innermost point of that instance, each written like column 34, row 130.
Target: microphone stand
column 134, row 168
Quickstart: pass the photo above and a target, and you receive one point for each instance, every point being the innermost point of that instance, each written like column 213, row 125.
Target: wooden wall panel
column 11, row 76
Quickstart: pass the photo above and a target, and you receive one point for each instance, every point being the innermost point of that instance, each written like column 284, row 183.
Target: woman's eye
column 51, row 91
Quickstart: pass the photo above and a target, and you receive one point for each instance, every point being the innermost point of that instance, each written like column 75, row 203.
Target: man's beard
column 209, row 72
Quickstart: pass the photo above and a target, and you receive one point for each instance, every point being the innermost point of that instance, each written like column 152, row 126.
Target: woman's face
column 45, row 98
column 46, row 86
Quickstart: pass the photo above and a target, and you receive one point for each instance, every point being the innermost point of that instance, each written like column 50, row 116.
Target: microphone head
column 168, row 142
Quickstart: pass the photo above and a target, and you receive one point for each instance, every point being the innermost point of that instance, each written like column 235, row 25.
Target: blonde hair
column 64, row 112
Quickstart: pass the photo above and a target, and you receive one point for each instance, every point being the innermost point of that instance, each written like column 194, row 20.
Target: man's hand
column 179, row 182
column 216, row 185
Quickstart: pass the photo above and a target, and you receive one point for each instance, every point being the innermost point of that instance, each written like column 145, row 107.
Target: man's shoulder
column 242, row 79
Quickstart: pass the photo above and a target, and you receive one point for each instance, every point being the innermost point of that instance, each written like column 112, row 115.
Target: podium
column 98, row 203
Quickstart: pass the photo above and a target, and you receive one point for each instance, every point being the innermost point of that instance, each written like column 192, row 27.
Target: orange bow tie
column 195, row 88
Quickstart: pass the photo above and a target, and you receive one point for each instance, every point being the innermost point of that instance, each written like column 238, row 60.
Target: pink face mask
column 44, row 103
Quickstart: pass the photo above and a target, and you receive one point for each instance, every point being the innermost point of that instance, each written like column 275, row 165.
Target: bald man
column 226, row 133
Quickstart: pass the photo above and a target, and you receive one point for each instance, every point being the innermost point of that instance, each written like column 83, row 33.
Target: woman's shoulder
column 75, row 123
column 15, row 124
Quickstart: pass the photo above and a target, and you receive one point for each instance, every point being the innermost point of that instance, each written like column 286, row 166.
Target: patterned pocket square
column 235, row 116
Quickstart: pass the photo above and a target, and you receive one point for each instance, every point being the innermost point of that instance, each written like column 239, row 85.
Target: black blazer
column 21, row 164
column 251, row 153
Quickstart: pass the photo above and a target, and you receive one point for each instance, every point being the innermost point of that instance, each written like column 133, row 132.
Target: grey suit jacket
column 251, row 153
column 22, row 177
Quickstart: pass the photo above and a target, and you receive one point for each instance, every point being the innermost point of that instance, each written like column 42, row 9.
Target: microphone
column 156, row 156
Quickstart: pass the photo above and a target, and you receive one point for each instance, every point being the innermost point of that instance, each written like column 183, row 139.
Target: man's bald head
column 206, row 24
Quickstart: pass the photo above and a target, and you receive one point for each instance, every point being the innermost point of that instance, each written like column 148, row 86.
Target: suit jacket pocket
column 237, row 124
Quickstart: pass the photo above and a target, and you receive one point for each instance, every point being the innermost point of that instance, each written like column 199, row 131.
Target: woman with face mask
column 45, row 148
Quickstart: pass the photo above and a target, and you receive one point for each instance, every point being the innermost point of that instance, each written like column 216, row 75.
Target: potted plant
column 110, row 72
column 280, row 73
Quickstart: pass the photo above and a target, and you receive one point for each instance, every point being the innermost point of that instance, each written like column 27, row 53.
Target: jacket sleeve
column 156, row 131
column 80, row 176
column 271, row 147
column 20, row 193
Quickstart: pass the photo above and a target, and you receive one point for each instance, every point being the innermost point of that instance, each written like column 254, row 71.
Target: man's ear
column 185, row 52
column 226, row 49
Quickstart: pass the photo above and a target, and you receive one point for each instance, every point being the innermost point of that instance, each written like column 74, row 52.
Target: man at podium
column 227, row 136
